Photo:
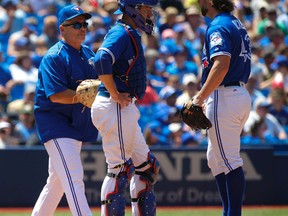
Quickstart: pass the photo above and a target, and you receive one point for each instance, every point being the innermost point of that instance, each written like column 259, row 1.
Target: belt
column 106, row 94
column 236, row 83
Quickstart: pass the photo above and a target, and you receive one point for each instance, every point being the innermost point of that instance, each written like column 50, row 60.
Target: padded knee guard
column 115, row 201
column 146, row 197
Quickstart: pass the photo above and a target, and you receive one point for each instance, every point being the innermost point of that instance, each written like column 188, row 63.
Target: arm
column 64, row 97
column 218, row 71
column 7, row 26
column 103, row 62
column 122, row 98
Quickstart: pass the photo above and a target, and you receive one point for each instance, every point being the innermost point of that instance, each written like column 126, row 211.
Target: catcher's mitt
column 86, row 91
column 193, row 116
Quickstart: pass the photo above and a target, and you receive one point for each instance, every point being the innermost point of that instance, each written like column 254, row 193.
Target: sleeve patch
column 216, row 39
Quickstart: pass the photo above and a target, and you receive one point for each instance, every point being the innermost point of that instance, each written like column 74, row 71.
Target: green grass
column 261, row 211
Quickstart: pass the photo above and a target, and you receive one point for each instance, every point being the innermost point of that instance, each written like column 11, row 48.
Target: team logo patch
column 216, row 39
column 205, row 63
column 76, row 8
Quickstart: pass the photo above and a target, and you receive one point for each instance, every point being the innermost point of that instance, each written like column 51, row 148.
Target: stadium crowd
column 28, row 28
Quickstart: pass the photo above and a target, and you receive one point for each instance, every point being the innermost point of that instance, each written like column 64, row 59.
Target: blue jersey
column 62, row 68
column 122, row 46
column 226, row 35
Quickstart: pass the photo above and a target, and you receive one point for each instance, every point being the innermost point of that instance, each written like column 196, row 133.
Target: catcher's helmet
column 144, row 22
column 138, row 2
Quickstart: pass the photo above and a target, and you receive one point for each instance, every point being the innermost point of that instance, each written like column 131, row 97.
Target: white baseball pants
column 65, row 176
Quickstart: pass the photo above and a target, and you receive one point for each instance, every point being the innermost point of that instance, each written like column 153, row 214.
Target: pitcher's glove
column 194, row 117
column 86, row 91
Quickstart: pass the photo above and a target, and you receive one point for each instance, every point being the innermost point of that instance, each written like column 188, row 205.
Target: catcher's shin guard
column 115, row 201
column 142, row 190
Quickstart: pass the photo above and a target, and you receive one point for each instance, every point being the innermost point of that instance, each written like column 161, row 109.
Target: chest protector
column 135, row 76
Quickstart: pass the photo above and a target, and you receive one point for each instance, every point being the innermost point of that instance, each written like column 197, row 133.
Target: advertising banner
column 184, row 178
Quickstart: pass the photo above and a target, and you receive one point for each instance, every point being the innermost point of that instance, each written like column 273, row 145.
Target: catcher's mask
column 144, row 19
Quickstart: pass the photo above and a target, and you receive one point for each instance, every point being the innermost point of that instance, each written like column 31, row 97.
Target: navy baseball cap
column 71, row 11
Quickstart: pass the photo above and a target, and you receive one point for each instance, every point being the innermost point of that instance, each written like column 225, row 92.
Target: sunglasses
column 78, row 25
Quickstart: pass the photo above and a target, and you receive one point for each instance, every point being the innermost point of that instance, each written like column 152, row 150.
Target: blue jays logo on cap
column 71, row 11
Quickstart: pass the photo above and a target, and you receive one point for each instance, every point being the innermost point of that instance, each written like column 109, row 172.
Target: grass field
column 181, row 211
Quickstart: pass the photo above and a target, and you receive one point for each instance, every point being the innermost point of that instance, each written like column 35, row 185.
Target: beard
column 204, row 11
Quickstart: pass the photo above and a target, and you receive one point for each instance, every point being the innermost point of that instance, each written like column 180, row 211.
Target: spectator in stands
column 178, row 4
column 156, row 135
column 268, row 57
column 273, row 129
column 155, row 75
column 283, row 17
column 96, row 33
column 257, row 134
column 169, row 95
column 280, row 78
column 11, row 17
column 279, row 73
column 244, row 13
column 50, row 33
column 150, row 42
column 26, row 128
column 150, row 96
column 182, row 136
column 103, row 9
column 252, row 88
column 39, row 52
column 190, row 138
column 151, row 56
column 165, row 58
column 181, row 37
column 165, row 113
column 272, row 14
column 169, row 19
column 157, row 132
column 259, row 8
column 5, row 76
column 273, row 37
column 258, row 67
column 23, row 72
column 182, row 66
column 279, row 107
column 174, row 82
column 42, row 8
column 175, row 135
column 190, row 88
column 11, row 20
column 15, row 107
column 6, row 140
column 198, row 26
column 29, row 31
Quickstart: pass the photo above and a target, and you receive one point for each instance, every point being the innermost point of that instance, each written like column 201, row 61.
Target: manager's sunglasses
column 77, row 25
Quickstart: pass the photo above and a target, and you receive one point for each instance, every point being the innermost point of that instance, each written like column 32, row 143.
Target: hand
column 196, row 101
column 123, row 99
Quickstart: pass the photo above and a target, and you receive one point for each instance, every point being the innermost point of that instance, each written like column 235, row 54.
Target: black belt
column 236, row 83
